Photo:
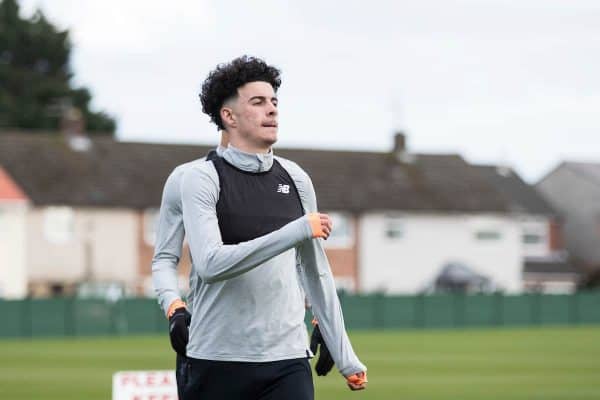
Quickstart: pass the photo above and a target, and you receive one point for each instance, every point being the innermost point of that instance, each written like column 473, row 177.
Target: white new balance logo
column 283, row 188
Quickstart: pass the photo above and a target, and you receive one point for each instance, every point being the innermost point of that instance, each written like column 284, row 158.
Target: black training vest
column 252, row 204
column 211, row 155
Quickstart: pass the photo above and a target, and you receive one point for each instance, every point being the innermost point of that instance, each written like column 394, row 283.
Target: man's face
column 255, row 112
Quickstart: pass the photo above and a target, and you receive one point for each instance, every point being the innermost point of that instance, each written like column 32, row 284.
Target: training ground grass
column 527, row 363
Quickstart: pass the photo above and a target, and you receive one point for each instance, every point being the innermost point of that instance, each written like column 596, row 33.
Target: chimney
column 72, row 127
column 72, row 123
column 399, row 150
column 399, row 142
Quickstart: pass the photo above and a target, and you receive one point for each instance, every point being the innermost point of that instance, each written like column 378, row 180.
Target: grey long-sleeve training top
column 247, row 299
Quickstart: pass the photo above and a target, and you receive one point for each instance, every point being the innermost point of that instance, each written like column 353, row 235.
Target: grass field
column 528, row 363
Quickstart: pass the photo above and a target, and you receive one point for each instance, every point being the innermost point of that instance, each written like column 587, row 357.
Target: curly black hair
column 223, row 82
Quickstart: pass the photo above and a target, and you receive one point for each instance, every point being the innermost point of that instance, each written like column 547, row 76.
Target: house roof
column 521, row 197
column 589, row 171
column 110, row 173
column 9, row 190
column 121, row 174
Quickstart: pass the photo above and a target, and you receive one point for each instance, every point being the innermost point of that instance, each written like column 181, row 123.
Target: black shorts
column 232, row 380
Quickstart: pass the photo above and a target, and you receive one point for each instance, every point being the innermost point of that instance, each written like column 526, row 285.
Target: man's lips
column 270, row 124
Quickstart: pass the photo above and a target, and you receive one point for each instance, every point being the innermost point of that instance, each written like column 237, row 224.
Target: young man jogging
column 254, row 235
column 167, row 253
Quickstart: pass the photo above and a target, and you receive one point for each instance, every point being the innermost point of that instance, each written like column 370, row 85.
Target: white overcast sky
column 497, row 81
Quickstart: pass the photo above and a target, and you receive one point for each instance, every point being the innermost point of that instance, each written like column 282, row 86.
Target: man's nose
column 272, row 110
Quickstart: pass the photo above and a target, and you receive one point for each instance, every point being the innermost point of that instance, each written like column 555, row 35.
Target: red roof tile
column 9, row 190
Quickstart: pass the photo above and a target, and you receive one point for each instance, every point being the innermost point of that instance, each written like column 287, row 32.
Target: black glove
column 325, row 362
column 179, row 330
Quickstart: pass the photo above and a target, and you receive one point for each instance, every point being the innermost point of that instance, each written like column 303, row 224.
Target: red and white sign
column 144, row 385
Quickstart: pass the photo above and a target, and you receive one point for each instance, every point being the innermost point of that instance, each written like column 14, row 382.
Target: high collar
column 220, row 149
column 250, row 162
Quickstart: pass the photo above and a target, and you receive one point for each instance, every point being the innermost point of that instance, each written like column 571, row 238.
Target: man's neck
column 248, row 148
column 224, row 139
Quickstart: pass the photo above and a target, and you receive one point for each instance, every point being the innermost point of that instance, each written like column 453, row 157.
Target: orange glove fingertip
column 357, row 379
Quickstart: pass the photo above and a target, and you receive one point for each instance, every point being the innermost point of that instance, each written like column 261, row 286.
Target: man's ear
column 228, row 117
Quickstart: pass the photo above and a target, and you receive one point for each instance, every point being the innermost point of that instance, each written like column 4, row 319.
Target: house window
column 485, row 229
column 485, row 235
column 59, row 224
column 342, row 234
column 394, row 228
column 532, row 238
column 150, row 225
column 535, row 236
